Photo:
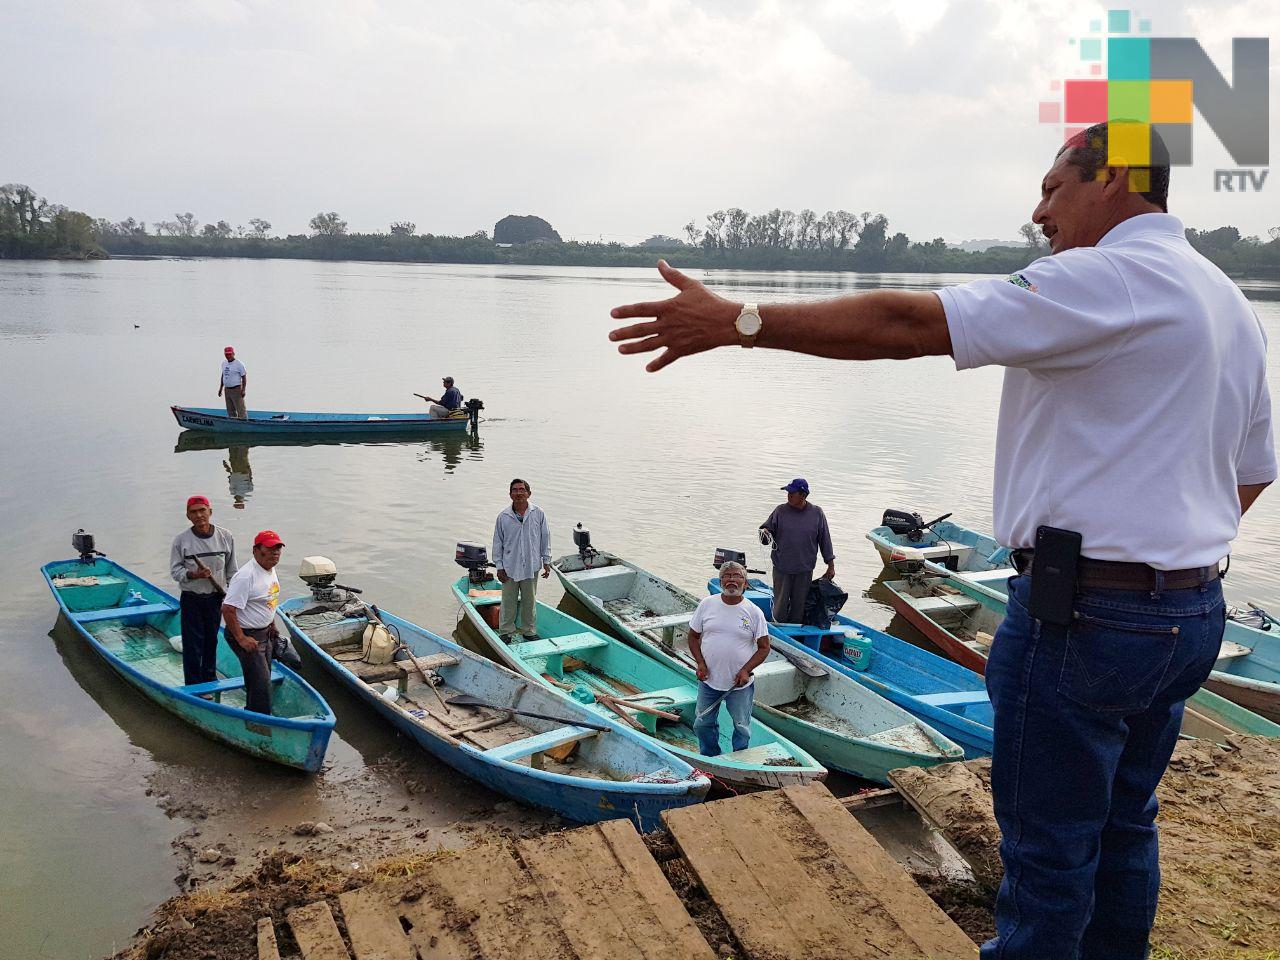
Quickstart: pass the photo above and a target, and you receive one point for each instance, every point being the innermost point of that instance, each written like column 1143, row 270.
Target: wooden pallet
column 792, row 872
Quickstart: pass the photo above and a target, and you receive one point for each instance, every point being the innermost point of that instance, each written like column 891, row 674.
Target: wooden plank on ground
column 934, row 933
column 488, row 899
column 267, row 947
column 373, row 926
column 611, row 908
column 788, row 890
column 317, row 935
column 432, row 932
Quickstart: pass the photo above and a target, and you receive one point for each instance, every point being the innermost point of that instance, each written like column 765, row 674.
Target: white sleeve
column 1062, row 313
column 758, row 622
column 699, row 616
column 237, row 592
column 1257, row 462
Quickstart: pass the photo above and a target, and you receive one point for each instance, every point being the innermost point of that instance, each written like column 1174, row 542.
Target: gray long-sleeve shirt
column 798, row 535
column 216, row 551
column 521, row 547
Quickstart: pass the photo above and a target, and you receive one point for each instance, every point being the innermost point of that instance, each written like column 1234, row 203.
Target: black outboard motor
column 582, row 540
column 83, row 544
column 473, row 408
column 909, row 525
column 474, row 557
column 725, row 555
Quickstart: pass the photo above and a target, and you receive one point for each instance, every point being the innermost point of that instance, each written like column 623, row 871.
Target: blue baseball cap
column 798, row 485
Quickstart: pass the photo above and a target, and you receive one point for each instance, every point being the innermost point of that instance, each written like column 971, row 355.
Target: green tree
column 404, row 228
column 328, row 225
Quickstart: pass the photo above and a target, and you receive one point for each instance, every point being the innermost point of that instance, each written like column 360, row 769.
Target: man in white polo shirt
column 1135, row 430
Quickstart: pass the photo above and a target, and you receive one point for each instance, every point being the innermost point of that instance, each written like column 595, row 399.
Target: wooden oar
column 466, row 700
column 217, row 584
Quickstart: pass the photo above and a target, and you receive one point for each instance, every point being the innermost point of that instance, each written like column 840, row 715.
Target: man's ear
column 1116, row 182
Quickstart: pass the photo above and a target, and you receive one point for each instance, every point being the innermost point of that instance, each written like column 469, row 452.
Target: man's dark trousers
column 1084, row 728
column 256, row 667
column 790, row 591
column 200, row 616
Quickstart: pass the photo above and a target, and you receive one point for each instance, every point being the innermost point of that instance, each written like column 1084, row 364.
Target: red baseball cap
column 268, row 538
column 198, row 498
column 228, row 349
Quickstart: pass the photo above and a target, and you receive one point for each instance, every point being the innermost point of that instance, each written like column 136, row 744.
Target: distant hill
column 527, row 229
column 977, row 246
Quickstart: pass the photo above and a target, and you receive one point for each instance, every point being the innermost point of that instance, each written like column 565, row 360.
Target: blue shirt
column 452, row 398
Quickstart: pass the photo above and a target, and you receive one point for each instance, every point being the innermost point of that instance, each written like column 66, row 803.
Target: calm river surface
column 662, row 468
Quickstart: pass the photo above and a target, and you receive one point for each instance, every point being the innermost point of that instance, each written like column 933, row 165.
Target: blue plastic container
column 857, row 649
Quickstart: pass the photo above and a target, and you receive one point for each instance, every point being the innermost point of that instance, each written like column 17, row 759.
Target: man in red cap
column 249, row 610
column 234, row 382
column 199, row 561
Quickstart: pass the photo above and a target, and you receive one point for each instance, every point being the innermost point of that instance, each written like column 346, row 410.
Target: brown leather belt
column 1119, row 575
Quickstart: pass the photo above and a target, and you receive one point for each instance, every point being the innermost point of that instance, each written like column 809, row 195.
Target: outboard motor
column 725, row 555
column 83, row 544
column 582, row 540
column 320, row 574
column 473, row 557
column 909, row 525
column 473, row 408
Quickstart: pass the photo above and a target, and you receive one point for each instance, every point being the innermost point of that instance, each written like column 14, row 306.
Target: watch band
column 749, row 339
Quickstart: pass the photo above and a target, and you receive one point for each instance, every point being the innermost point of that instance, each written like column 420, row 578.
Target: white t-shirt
column 254, row 592
column 1136, row 398
column 233, row 373
column 729, row 634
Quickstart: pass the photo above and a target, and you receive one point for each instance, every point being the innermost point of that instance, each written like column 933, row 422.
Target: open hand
column 692, row 321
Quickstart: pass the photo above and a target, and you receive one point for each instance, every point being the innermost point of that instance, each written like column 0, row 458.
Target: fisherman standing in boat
column 521, row 544
column 1134, row 432
column 199, row 561
column 449, row 401
column 797, row 531
column 728, row 639
column 249, row 609
column 232, row 385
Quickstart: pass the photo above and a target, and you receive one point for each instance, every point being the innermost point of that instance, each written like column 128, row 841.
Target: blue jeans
column 707, row 725
column 1084, row 729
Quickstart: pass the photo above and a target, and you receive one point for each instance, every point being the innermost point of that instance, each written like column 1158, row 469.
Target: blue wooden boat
column 295, row 423
column 611, row 774
column 572, row 655
column 129, row 621
column 950, row 698
column 845, row 725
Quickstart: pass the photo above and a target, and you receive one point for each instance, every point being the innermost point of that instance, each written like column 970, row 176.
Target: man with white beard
column 728, row 639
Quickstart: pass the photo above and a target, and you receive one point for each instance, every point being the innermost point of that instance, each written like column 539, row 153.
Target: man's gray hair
column 733, row 565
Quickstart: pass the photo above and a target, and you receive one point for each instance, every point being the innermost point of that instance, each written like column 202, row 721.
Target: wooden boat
column 1248, row 669
column 571, row 653
column 948, row 697
column 959, row 613
column 580, row 773
column 946, row 543
column 846, row 726
column 129, row 621
column 295, row 423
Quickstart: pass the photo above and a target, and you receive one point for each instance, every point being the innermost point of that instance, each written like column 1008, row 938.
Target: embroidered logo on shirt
column 745, row 622
column 1018, row 280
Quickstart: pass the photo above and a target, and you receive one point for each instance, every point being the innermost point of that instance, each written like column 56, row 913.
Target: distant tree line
column 731, row 238
column 32, row 227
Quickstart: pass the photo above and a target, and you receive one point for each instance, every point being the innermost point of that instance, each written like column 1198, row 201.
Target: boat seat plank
column 122, row 613
column 556, row 646
column 761, row 754
column 373, row 927
column 595, row 573
column 930, row 605
column 954, row 698
column 503, row 913
column 632, row 914
column 538, row 743
column 662, row 622
column 225, row 684
column 1231, row 650
column 316, row 933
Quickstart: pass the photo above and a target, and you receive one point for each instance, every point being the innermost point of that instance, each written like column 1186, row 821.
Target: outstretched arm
column 880, row 324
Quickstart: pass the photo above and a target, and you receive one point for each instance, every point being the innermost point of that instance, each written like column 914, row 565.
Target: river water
column 663, row 469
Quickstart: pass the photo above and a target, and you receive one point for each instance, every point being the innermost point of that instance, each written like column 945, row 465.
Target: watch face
column 749, row 324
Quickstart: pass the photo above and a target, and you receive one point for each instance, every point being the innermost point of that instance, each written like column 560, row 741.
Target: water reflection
column 452, row 449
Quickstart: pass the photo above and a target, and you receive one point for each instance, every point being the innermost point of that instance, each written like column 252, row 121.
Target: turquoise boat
column 296, row 423
column 846, row 726
column 943, row 542
column 1242, row 694
column 128, row 622
column 570, row 653
column 950, row 698
column 580, row 772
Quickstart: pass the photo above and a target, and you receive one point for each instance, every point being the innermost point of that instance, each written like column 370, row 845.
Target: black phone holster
column 1053, row 576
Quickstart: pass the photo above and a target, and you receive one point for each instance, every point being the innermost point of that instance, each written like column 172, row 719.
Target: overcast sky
column 610, row 119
